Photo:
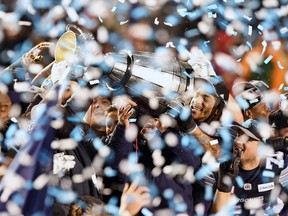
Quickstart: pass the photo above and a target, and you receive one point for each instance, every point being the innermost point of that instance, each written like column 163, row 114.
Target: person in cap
column 8, row 151
column 279, row 122
column 250, row 97
column 278, row 118
column 251, row 182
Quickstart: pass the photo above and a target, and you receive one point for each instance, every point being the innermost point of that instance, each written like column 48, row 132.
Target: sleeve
column 121, row 148
column 283, row 178
column 184, row 154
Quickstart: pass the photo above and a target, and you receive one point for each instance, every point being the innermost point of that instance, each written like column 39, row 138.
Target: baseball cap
column 278, row 120
column 213, row 85
column 248, row 94
column 249, row 127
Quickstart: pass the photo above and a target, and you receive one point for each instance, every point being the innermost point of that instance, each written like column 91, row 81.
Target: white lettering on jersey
column 265, row 187
column 276, row 159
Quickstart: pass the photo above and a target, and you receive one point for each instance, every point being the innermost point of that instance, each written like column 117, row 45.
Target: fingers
column 132, row 103
column 126, row 187
column 133, row 185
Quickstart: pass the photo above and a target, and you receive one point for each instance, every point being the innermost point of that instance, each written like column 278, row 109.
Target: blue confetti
column 77, row 134
column 18, row 198
column 205, row 170
column 239, row 181
column 212, row 7
column 140, row 13
column 192, row 33
column 249, row 45
column 279, row 65
column 112, row 209
column 181, row 207
column 206, row 42
column 168, row 194
column 209, row 195
column 267, row 173
column 188, row 75
column 109, row 172
column 268, row 59
column 146, row 212
column 97, row 143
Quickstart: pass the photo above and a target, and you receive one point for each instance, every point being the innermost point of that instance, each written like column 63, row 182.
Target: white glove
column 59, row 71
column 62, row 163
column 200, row 63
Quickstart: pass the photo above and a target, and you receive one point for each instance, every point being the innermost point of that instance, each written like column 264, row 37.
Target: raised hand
column 133, row 199
column 227, row 173
column 125, row 112
column 183, row 115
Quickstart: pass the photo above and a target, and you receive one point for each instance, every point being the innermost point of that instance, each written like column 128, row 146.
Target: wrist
column 192, row 129
column 124, row 212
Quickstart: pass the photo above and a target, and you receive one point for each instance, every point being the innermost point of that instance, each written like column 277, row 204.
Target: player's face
column 249, row 148
column 261, row 110
column 100, row 105
column 5, row 106
column 202, row 105
column 283, row 132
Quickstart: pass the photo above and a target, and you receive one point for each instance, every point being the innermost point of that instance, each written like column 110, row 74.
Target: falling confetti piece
column 168, row 24
column 247, row 17
column 264, row 44
column 249, row 30
column 170, row 44
column 249, row 45
column 156, row 21
column 279, row 65
column 124, row 22
column 268, row 59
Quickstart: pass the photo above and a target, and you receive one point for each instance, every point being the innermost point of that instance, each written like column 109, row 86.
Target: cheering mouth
column 196, row 108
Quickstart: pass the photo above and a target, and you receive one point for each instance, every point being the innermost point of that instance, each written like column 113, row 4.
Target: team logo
column 247, row 186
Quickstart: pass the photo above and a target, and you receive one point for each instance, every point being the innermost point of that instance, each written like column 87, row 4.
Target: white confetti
column 168, row 24
column 170, row 44
column 158, row 159
column 124, row 22
column 100, row 19
column 26, row 160
column 250, row 30
column 72, row 14
column 22, row 87
column 264, row 44
column 24, row 23
column 13, row 208
column 156, row 21
column 64, row 144
column 284, row 30
column 247, row 17
column 40, row 181
column 171, row 139
column 131, row 133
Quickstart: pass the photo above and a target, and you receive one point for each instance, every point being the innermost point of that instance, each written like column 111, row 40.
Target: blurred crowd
column 143, row 107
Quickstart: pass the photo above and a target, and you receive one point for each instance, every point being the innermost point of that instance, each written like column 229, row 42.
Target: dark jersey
column 257, row 194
